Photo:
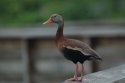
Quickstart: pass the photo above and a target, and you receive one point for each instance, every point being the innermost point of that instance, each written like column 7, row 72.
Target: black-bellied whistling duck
column 72, row 49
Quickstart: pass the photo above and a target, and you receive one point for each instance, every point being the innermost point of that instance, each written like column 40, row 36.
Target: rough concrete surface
column 113, row 75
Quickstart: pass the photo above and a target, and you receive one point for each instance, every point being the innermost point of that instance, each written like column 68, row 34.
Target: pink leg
column 75, row 78
column 76, row 72
column 82, row 73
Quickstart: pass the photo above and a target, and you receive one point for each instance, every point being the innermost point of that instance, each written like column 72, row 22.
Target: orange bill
column 48, row 21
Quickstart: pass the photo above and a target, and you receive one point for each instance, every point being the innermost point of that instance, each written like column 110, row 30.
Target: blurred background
column 28, row 53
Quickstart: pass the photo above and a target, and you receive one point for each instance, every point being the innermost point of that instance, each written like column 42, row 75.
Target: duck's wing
column 80, row 46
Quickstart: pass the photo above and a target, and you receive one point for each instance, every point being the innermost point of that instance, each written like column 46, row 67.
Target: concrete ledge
column 113, row 75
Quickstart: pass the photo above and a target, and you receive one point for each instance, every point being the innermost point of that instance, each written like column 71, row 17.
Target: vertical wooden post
column 31, row 65
column 95, row 64
column 25, row 61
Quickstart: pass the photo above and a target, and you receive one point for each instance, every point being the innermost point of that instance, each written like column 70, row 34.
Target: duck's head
column 54, row 18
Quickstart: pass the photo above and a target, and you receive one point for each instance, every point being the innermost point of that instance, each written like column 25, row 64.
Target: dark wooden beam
column 93, row 44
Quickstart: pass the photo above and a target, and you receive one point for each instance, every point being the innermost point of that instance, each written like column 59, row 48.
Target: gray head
column 54, row 18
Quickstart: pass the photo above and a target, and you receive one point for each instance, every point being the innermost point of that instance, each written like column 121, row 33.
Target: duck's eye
column 54, row 16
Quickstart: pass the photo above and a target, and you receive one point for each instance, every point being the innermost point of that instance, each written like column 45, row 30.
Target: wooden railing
column 25, row 41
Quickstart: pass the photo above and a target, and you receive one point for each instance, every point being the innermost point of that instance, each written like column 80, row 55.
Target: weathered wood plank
column 25, row 62
column 81, row 31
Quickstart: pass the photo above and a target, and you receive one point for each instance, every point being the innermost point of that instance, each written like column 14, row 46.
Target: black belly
column 75, row 55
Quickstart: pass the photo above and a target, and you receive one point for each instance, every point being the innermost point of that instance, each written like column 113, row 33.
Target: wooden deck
column 27, row 48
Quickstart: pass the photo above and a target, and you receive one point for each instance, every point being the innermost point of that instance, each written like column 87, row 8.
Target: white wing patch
column 78, row 49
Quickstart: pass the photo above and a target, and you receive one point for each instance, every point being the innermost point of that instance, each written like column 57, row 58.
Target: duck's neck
column 59, row 33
